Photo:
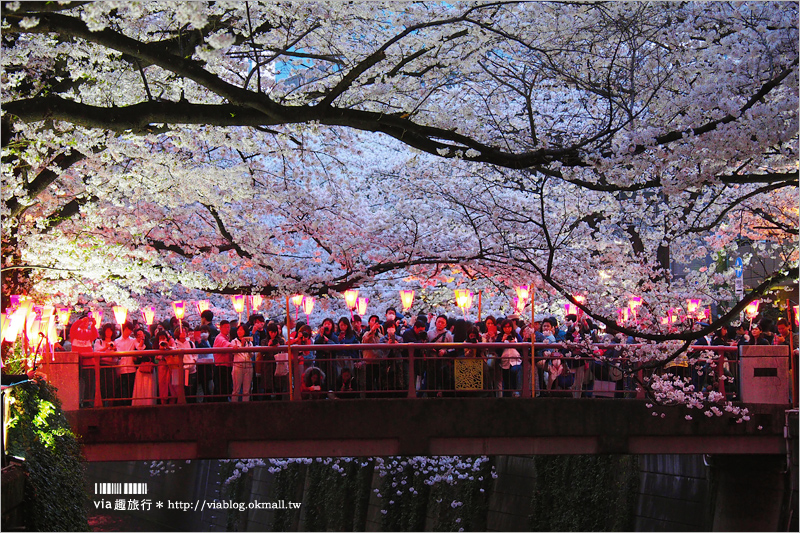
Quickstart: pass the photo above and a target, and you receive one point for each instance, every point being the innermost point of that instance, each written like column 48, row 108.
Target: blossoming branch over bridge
column 441, row 425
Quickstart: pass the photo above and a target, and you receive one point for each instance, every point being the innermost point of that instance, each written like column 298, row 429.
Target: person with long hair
column 145, row 385
column 108, row 382
column 510, row 359
column 275, row 366
column 242, row 373
column 345, row 335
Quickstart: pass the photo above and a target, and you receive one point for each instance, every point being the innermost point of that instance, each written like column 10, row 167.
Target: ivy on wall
column 285, row 488
column 55, row 496
column 337, row 497
column 584, row 493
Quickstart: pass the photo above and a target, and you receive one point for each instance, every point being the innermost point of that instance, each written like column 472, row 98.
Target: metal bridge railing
column 403, row 370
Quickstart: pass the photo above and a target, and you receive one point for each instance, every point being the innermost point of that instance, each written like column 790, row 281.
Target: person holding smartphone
column 370, row 363
column 392, row 367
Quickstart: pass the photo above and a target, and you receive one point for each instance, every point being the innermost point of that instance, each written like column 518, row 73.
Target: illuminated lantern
column 47, row 324
column 179, row 308
column 297, row 300
column 33, row 322
column 350, row 297
column 797, row 315
column 752, row 309
column 63, row 315
column 624, row 315
column 12, row 324
column 120, row 314
column 522, row 292
column 97, row 314
column 308, row 305
column 5, row 323
column 361, row 305
column 238, row 302
column 519, row 304
column 256, row 299
column 463, row 300
column 692, row 307
column 635, row 302
column 407, row 299
column 459, row 296
column 149, row 315
column 573, row 309
column 203, row 305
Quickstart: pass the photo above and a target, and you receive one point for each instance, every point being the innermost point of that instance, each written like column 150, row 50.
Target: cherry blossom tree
column 313, row 147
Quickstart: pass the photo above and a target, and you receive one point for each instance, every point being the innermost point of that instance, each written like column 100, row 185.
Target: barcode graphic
column 120, row 488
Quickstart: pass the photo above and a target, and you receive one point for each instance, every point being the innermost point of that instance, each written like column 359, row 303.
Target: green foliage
column 285, row 488
column 584, row 493
column 409, row 510
column 55, row 497
column 15, row 362
column 337, row 500
column 233, row 490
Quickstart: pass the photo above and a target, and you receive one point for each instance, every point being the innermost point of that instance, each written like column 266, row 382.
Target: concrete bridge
column 435, row 426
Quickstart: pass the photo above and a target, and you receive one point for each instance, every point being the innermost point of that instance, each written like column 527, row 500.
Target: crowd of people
column 325, row 372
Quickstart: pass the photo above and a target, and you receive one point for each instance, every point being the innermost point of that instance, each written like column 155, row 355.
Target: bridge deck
column 446, row 426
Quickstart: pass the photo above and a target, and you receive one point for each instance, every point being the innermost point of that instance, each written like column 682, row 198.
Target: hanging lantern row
column 30, row 320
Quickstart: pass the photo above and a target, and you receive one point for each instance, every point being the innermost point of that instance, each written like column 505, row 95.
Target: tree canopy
column 313, row 147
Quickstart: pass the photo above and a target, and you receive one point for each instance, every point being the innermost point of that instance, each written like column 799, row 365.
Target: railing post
column 640, row 387
column 294, row 377
column 98, row 397
column 721, row 372
column 794, row 358
column 182, row 384
column 527, row 376
column 412, row 376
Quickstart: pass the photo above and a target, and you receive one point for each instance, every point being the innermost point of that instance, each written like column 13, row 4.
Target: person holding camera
column 242, row 366
column 223, row 364
column 439, row 373
column 369, row 362
column 182, row 342
column 305, row 357
column 169, row 369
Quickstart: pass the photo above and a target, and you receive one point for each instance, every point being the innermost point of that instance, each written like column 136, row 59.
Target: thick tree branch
column 43, row 180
